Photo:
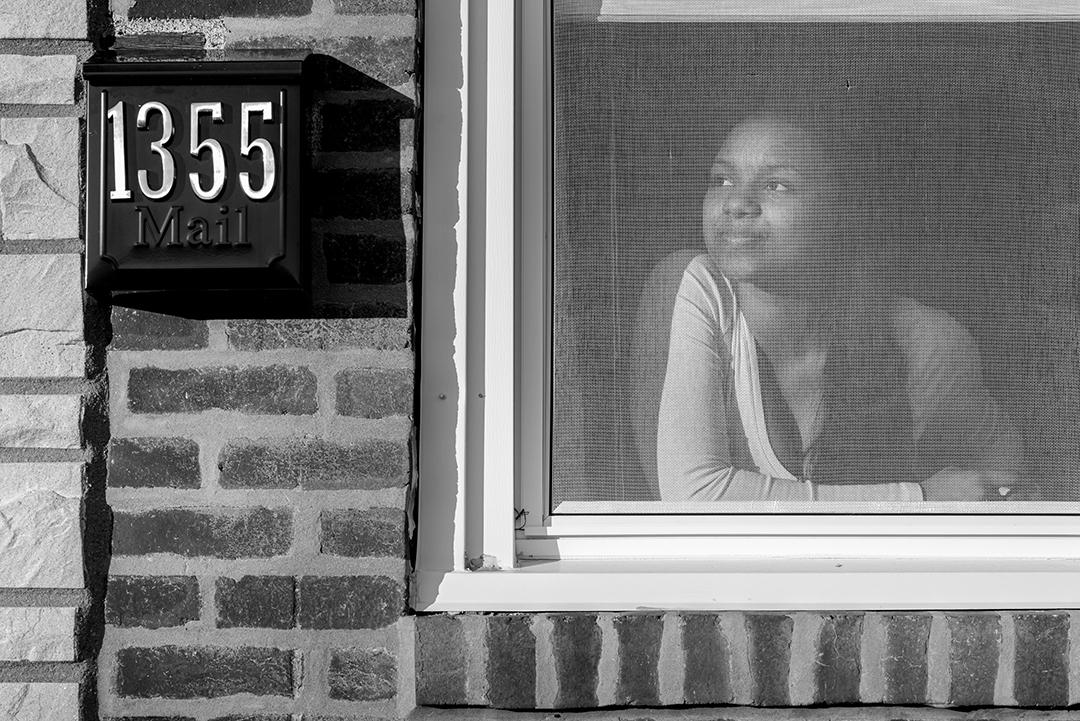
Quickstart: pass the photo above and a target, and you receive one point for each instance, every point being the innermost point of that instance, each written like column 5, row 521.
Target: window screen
column 815, row 266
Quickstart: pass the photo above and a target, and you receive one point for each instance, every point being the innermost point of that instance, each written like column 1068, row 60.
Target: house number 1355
column 211, row 110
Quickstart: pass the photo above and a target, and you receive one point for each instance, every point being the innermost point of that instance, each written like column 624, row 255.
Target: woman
column 791, row 375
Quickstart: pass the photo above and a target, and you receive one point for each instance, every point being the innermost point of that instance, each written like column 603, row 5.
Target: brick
column 576, row 643
column 218, row 8
column 837, row 670
column 278, row 390
column 241, row 533
column 375, row 7
column 706, row 661
column 39, row 701
column 973, row 658
column 382, row 62
column 364, row 125
column 154, row 462
column 254, row 717
column 769, row 640
column 148, row 718
column 41, row 329
column 440, row 661
column 40, row 421
column 35, row 79
column 374, row 392
column 369, row 194
column 151, row 601
column 64, row 479
column 904, row 665
column 37, row 634
column 368, row 464
column 30, row 208
column 142, row 330
column 511, row 663
column 1041, row 670
column 362, row 674
column 350, row 601
column 55, row 144
column 41, row 541
column 639, row 657
column 361, row 533
column 256, row 602
column 373, row 259
column 203, row 671
column 319, row 334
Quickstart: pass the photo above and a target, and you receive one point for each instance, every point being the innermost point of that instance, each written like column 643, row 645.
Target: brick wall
column 259, row 469
column 51, row 374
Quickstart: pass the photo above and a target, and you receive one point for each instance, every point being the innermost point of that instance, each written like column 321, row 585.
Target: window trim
column 483, row 408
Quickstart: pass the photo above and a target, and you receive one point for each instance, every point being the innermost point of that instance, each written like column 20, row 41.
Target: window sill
column 755, row 585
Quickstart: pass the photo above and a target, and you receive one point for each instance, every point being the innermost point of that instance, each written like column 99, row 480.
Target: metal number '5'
column 265, row 110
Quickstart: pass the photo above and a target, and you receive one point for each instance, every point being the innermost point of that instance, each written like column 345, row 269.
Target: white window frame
column 483, row 381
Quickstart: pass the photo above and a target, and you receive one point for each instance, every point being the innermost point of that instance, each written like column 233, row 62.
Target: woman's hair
column 866, row 435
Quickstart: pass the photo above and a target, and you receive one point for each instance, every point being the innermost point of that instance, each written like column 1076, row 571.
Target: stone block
column 224, row 533
column 37, row 634
column 41, row 328
column 440, row 661
column 314, row 464
column 203, row 671
column 350, row 601
column 39, row 701
column 151, row 601
column 638, row 682
column 362, row 674
column 36, row 79
column 1041, row 670
column 364, row 258
column 375, row 7
column 41, row 541
column 973, row 658
column 359, row 533
column 576, row 644
column 904, row 665
column 218, row 8
column 40, row 421
column 706, row 660
column 319, row 334
column 371, row 194
column 769, row 651
column 142, row 330
column 153, row 462
column 30, row 208
column 256, row 602
column 374, row 392
column 271, row 390
column 64, row 479
column 511, row 664
column 55, row 145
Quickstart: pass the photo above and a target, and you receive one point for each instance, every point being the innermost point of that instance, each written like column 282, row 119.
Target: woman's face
column 769, row 213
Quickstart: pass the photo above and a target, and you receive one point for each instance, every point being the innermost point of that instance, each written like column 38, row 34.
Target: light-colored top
column 710, row 339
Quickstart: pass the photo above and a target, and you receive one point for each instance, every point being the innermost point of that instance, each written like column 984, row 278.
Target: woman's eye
column 777, row 186
column 722, row 181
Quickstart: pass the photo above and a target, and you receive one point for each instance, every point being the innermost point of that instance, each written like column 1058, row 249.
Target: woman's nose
column 742, row 205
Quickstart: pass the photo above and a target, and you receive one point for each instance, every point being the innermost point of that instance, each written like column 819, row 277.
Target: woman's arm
column 693, row 460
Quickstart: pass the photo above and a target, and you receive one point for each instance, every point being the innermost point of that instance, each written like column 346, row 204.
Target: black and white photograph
column 806, row 264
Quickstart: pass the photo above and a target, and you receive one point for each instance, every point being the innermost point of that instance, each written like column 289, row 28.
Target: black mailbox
column 194, row 175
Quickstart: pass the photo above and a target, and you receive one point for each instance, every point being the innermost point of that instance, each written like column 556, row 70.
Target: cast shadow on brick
column 358, row 184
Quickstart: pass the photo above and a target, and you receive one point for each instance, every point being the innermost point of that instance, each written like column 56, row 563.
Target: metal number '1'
column 120, row 189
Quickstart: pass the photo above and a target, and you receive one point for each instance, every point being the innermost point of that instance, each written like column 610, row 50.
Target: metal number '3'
column 217, row 155
column 168, row 164
column 266, row 110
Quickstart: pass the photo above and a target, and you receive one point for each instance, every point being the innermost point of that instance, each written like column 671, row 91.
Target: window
column 558, row 467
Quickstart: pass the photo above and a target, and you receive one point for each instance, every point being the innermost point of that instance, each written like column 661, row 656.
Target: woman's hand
column 955, row 484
